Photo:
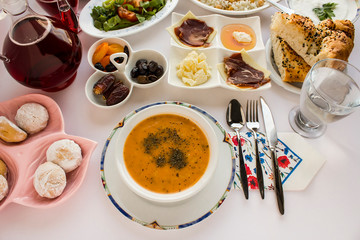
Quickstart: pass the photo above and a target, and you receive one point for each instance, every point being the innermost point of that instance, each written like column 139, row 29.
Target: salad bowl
column 87, row 24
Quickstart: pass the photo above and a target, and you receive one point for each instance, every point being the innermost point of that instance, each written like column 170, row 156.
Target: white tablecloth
column 328, row 209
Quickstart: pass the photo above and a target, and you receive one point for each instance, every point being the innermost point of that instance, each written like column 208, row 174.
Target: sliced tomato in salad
column 126, row 14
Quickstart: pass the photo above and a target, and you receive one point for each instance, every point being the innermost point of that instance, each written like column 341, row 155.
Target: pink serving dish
column 23, row 158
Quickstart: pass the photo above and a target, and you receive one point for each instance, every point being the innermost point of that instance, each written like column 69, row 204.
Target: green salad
column 117, row 14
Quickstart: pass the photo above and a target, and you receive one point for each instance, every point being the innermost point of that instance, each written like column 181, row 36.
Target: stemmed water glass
column 331, row 91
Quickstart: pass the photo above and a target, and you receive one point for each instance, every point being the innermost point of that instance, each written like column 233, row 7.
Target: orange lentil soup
column 166, row 153
column 231, row 43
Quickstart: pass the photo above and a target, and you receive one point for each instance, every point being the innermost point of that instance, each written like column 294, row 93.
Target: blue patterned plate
column 86, row 21
column 174, row 216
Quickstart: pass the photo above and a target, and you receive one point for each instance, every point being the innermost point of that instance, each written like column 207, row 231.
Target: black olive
column 134, row 72
column 143, row 68
column 126, row 51
column 140, row 61
column 143, row 79
column 152, row 78
column 99, row 66
column 119, row 59
column 152, row 66
column 159, row 71
column 110, row 67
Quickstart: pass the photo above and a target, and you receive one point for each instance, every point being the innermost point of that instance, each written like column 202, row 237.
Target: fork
column 280, row 7
column 252, row 123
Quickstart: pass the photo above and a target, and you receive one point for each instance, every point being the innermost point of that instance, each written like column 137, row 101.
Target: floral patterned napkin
column 288, row 160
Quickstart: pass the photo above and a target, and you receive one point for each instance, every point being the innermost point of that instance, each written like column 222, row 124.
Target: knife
column 271, row 136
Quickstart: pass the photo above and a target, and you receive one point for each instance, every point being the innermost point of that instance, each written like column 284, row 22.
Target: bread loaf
column 293, row 33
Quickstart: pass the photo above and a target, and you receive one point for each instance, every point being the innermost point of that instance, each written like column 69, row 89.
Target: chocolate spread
column 193, row 32
column 242, row 74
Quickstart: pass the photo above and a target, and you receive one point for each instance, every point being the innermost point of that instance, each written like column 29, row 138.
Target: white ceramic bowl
column 98, row 100
column 123, row 70
column 148, row 55
column 350, row 9
column 171, row 198
column 110, row 40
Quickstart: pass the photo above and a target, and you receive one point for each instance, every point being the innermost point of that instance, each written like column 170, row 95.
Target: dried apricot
column 100, row 52
column 115, row 48
column 105, row 61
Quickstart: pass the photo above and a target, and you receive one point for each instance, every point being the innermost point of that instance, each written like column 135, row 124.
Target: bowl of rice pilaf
column 232, row 7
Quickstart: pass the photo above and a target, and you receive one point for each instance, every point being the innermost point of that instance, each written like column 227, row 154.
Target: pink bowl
column 23, row 158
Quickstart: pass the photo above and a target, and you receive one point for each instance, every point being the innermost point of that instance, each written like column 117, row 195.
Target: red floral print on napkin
column 253, row 183
column 235, row 141
column 283, row 161
column 248, row 170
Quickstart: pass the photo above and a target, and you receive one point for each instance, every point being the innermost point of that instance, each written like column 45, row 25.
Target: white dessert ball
column 32, row 117
column 49, row 180
column 4, row 187
column 66, row 153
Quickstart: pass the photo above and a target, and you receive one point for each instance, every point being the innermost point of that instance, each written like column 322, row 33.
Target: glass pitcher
column 39, row 52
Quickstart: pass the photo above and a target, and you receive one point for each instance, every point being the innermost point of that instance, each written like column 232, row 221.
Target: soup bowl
column 172, row 109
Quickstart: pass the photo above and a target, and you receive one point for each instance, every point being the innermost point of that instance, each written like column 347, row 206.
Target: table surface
column 327, row 209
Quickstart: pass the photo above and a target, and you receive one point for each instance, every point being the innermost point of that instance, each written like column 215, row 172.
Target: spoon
column 235, row 118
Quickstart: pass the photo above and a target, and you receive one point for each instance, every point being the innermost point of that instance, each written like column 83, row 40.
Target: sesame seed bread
column 291, row 66
column 297, row 34
column 328, row 39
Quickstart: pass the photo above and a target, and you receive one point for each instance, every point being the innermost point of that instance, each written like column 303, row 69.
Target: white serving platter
column 216, row 52
column 231, row 12
column 86, row 21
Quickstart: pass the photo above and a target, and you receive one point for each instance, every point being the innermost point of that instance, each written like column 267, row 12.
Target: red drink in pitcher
column 51, row 7
column 42, row 53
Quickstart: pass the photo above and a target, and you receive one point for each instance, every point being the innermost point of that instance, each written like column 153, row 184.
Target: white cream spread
column 345, row 9
column 241, row 37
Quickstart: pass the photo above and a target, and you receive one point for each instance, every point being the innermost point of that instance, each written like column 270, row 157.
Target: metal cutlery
column 252, row 123
column 235, row 118
column 271, row 136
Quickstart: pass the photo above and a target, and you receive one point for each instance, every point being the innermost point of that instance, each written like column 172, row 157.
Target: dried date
column 117, row 95
column 103, row 84
column 107, row 93
column 112, row 90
